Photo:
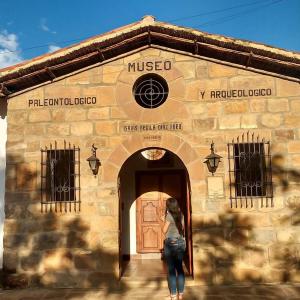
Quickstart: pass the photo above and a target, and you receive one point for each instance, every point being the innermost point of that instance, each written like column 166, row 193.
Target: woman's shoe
column 180, row 296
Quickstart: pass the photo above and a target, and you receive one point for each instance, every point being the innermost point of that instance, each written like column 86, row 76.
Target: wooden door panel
column 151, row 236
column 149, row 211
column 149, row 233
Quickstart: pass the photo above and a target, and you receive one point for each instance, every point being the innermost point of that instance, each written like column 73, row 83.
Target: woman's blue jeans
column 173, row 252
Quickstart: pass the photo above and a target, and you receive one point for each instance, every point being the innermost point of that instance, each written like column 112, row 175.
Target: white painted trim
column 3, row 137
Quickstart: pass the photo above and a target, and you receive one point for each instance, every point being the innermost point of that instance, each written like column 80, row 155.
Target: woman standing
column 174, row 247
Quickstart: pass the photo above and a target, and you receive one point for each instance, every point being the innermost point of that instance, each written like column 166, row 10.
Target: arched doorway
column 146, row 179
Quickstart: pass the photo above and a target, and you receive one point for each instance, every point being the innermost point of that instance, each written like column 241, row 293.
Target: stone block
column 197, row 108
column 105, row 94
column 285, row 88
column 255, row 257
column 104, row 128
column 58, row 129
column 15, row 241
column 105, row 209
column 229, row 122
column 188, row 69
column 249, row 121
column 278, row 105
column 45, row 240
column 39, row 116
column 59, row 91
column 192, row 91
column 16, row 104
column 75, row 114
column 291, row 120
column 271, row 120
column 294, row 147
column 264, row 236
column 201, row 69
column 79, row 78
column 17, row 117
column 133, row 57
column 99, row 142
column 31, row 262
column 117, row 113
column 110, row 239
column 253, row 82
column 85, row 262
column 33, row 146
column 288, row 235
column 236, row 107
column 200, row 124
column 214, row 109
column 10, row 263
column 34, row 129
column 295, row 105
column 15, row 129
column 81, row 128
column 218, row 70
column 284, row 135
column 99, row 113
column 257, row 105
column 26, row 176
column 57, row 260
column 177, row 89
column 111, row 73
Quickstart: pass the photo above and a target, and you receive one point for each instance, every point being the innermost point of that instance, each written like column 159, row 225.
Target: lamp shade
column 212, row 160
column 94, row 162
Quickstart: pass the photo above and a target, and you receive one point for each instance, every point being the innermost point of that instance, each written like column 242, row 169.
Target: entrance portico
column 144, row 186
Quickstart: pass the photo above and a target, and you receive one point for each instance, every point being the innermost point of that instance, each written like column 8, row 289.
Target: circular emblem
column 150, row 90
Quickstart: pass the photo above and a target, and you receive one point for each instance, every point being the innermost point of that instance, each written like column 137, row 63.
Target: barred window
column 60, row 178
column 250, row 171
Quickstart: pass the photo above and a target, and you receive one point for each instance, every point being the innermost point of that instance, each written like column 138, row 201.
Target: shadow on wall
column 48, row 249
column 250, row 247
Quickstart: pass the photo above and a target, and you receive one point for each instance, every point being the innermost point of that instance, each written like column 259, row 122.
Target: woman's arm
column 166, row 227
column 164, row 224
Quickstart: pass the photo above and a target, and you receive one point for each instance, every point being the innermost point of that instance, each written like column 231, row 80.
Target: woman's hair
column 173, row 208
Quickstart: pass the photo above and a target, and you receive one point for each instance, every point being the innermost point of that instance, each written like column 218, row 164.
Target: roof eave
column 135, row 36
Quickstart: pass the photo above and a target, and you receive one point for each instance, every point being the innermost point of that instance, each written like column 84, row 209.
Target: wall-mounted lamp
column 94, row 162
column 212, row 160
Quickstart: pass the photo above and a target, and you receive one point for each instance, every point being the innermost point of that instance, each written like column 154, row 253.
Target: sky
column 29, row 28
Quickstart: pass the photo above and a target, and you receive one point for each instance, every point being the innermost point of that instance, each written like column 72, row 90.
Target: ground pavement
column 254, row 292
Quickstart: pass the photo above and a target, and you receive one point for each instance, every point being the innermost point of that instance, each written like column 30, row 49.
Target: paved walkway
column 257, row 292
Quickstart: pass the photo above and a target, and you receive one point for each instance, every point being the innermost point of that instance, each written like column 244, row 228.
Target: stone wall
column 254, row 244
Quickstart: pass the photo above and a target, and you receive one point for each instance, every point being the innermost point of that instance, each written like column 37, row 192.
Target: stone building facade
column 234, row 93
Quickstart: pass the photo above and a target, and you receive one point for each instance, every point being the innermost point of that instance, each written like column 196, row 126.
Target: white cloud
column 44, row 27
column 9, row 49
column 53, row 48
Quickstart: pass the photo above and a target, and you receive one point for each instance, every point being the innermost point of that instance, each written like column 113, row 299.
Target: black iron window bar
column 60, row 178
column 250, row 171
